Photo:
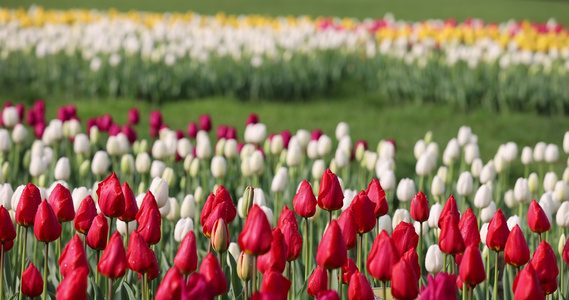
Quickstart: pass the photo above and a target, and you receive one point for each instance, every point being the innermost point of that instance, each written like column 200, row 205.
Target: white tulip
column 199, row 194
column 434, row 260
column 324, row 145
column 341, row 159
column 484, row 233
column 203, row 147
column 78, row 195
column 551, row 154
column 471, row 152
column 521, row 191
column 549, row 181
column 259, row 197
column 293, row 155
column 384, row 223
column 16, row 197
column 142, row 163
column 81, row 144
column 562, row 217
column 159, row 188
column 488, row 212
column 94, row 135
column 159, row 150
column 400, row 215
column 433, row 148
column 113, row 146
column 345, row 144
column 539, row 152
column 62, row 169
column 257, row 163
column 417, row 226
column 19, row 134
column 533, row 183
column 513, row 221
column 169, row 176
column 312, row 150
column 499, row 164
column 476, row 167
column 234, row 251
column 437, row 186
column 387, row 180
column 384, row 164
column 188, row 207
column 565, row 176
column 5, row 141
column 434, row 215
column 488, row 173
column 510, row 199
column 425, row 165
column 174, row 213
column 47, row 155
column 561, row 191
column 527, row 155
column 157, row 168
column 255, row 133
column 100, row 163
column 451, row 153
column 386, row 150
column 269, row 214
column 348, row 198
column 561, row 244
column 127, row 164
column 230, row 149
column 6, row 194
column 318, row 168
column 566, row 142
column 370, row 160
column 406, row 190
column 280, row 180
column 464, row 135
column 465, row 184
column 74, row 127
column 218, row 167
column 10, row 116
column 277, row 144
column 342, row 129
column 510, row 152
column 546, row 205
column 183, row 227
column 165, row 210
column 419, row 149
column 303, row 137
column 121, row 227
column 483, row 196
column 37, row 166
column 442, row 172
column 37, row 147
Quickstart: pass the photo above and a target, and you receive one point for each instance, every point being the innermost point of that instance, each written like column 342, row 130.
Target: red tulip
column 197, row 288
column 231, row 133
column 98, row 233
column 359, row 288
column 450, row 238
column 276, row 257
column 186, row 259
column 139, row 256
column 74, row 286
column 256, row 237
column 328, row 295
column 133, row 116
column 449, row 208
column 205, row 122
column 7, row 230
column 468, row 226
column 213, row 274
column 332, row 252
column 317, row 282
column 382, row 257
column 412, row 259
column 86, row 213
column 405, row 237
column 155, row 119
column 274, row 282
column 404, row 284
column 347, row 223
column 497, row 232
column 221, row 131
column 30, row 200
column 293, row 241
column 537, row 220
column 442, row 287
column 113, row 263
column 348, row 269
column 565, row 252
column 154, row 269
column 363, row 213
column 46, row 229
column 223, row 196
column 330, row 196
column 544, row 262
column 549, row 287
column 129, row 132
column 171, row 285
column 32, row 283
column 253, row 118
column 217, row 206
column 287, row 215
column 304, row 202
column 192, row 129
column 516, row 252
column 130, row 206
column 220, row 238
column 377, row 195
column 420, row 207
column 472, row 267
column 527, row 286
column 62, row 203
column 111, row 198
column 149, row 220
column 72, row 257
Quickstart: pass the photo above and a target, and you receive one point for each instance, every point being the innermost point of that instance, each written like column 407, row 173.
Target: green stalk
column 359, row 250
column 487, row 283
column 421, row 258
column 246, row 289
column 44, row 294
column 110, row 227
column 495, row 294
column 293, row 281
column 377, row 226
column 145, row 285
column 110, row 290
column 340, row 284
column 421, row 181
column 97, row 273
column 306, row 245
column 254, row 282
column 561, row 283
column 2, row 271
column 276, row 208
column 59, row 253
column 23, row 258
column 384, row 289
column 464, row 290
column 445, row 263
column 330, row 278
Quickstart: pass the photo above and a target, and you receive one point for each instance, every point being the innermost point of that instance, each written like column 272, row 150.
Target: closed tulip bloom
column 32, row 283
column 449, row 208
column 62, row 203
column 256, row 237
column 317, row 282
column 86, row 213
column 468, row 226
column 149, row 220
column 293, row 241
column 405, row 190
column 328, row 295
column 130, row 206
column 332, row 252
column 549, row 287
column 221, row 196
column 220, row 238
column 516, row 252
column 46, row 229
column 527, row 286
column 213, row 274
column 565, row 253
column 483, row 196
column 72, row 257
column 363, row 213
column 382, row 257
column 304, row 202
column 74, row 287
column 347, row 223
column 544, row 262
column 30, row 200
column 441, row 287
column 197, row 288
column 113, row 263
column 186, row 259
column 276, row 257
column 287, row 216
column 420, row 207
column 274, row 282
column 412, row 259
column 405, row 237
column 497, row 232
column 348, row 269
column 434, row 215
column 7, row 230
column 450, row 238
column 537, row 220
column 464, row 184
column 434, row 259
column 330, row 196
column 139, row 256
column 171, row 285
column 97, row 235
column 404, row 284
column 377, row 195
column 360, row 288
column 110, row 197
column 472, row 268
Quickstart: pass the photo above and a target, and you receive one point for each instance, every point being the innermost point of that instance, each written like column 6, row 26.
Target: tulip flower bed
column 271, row 216
column 513, row 65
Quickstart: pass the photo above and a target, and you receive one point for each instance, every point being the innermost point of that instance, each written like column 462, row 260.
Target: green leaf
column 236, row 284
column 126, row 286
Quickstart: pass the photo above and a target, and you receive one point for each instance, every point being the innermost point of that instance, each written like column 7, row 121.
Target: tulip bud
column 483, row 196
column 405, row 190
column 280, row 180
column 549, row 181
column 142, row 163
column 37, row 166
column 551, row 154
column 245, row 266
column 521, row 191
column 317, row 282
column 476, row 167
column 324, row 146
column 5, row 141
column 19, row 134
column 32, row 282
column 527, row 156
column 312, row 150
column 113, row 263
column 62, row 169
column 183, row 227
column 419, row 149
column 220, row 238
column 400, row 215
column 97, row 235
column 84, row 169
column 488, row 173
column 218, row 167
column 464, row 184
column 434, row 259
column 437, row 186
column 488, row 212
column 188, row 207
column 434, row 215
column 451, row 153
column 100, row 163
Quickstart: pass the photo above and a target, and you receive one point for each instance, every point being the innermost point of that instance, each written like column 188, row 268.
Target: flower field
column 160, row 57
column 99, row 212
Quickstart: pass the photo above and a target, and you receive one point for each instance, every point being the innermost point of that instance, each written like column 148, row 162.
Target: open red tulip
column 516, row 252
column 62, row 203
column 113, row 263
column 304, row 202
column 256, row 237
column 332, row 252
column 420, row 207
column 111, row 198
column 330, row 196
column 47, row 228
column 86, row 213
column 377, row 195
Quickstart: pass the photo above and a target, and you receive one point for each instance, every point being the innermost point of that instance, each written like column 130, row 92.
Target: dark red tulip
column 537, row 220
column 149, row 220
column 328, row 295
column 39, row 128
column 114, row 129
column 330, row 196
column 8, row 246
column 111, row 198
column 363, row 143
column 129, row 132
column 549, row 287
column 113, row 263
column 86, row 213
column 179, row 134
column 74, row 286
column 472, row 267
column 7, row 230
column 468, row 226
column 104, row 122
column 317, row 282
column 420, row 207
column 171, row 285
column 304, row 202
column 315, row 135
column 30, row 200
column 217, row 206
column 20, row 108
column 62, row 114
column 205, row 122
column 130, row 207
column 442, row 287
column 231, row 133
column 155, row 119
column 413, row 260
column 186, row 259
column 256, row 237
column 98, row 233
column 192, row 130
column 527, row 286
column 276, row 257
column 221, row 131
column 359, row 288
column 404, row 284
column 449, row 208
column 405, row 237
column 516, row 252
column 332, row 252
column 377, row 195
column 450, row 238
column 72, row 257
column 347, row 223
column 286, row 135
column 32, row 283
column 497, row 232
column 382, row 257
column 274, row 282
column 31, row 117
column 213, row 274
column 253, row 118
column 154, row 269
column 363, row 212
column 139, row 256
column 348, row 269
column 565, row 252
column 293, row 241
column 197, row 288
column 544, row 262
column 62, row 203
column 287, row 215
column 133, row 116
column 46, row 229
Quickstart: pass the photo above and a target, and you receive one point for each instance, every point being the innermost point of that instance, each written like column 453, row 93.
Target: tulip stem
column 495, row 294
column 110, row 227
column 384, row 284
column 126, row 224
column 470, row 291
column 293, row 280
column 377, row 226
column 254, row 281
column 359, row 249
column 246, row 289
column 97, row 273
column 145, row 284
column 306, row 250
column 59, row 253
column 340, row 284
column 464, row 290
column 445, row 263
column 25, row 239
column 110, row 290
column 562, row 282
column 44, row 294
column 421, row 258
column 330, row 271
column 2, row 271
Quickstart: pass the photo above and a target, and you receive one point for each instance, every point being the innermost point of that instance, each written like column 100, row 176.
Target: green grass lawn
column 491, row 10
